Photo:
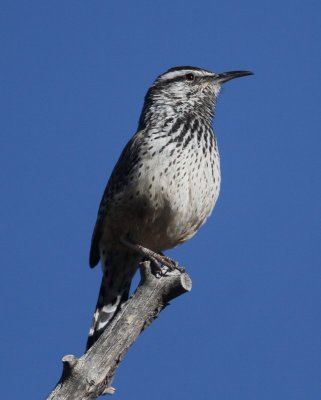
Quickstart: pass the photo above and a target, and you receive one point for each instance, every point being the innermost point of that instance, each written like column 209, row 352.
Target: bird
column 163, row 187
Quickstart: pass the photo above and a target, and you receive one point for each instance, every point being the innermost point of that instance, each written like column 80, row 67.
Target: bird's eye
column 189, row 77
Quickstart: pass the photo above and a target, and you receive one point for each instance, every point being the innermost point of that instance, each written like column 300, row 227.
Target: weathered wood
column 91, row 375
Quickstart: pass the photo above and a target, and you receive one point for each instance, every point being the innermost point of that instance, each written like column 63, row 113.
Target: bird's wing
column 118, row 179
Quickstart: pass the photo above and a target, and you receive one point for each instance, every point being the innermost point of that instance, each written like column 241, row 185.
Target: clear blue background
column 73, row 77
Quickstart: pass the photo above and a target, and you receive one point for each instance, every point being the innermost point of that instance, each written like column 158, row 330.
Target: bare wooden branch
column 91, row 375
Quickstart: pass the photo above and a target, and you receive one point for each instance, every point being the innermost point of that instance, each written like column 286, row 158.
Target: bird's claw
column 171, row 264
column 158, row 260
column 165, row 265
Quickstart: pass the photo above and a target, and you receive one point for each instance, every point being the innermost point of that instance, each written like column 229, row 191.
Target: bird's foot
column 170, row 263
column 158, row 260
column 164, row 264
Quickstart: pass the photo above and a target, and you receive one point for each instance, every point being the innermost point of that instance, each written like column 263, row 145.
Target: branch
column 91, row 375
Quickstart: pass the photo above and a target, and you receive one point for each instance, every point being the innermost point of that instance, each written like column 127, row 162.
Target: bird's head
column 184, row 90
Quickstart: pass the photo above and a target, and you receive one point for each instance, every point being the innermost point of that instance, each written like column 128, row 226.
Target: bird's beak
column 227, row 76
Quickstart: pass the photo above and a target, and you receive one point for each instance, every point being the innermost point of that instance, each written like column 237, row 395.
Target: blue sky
column 73, row 77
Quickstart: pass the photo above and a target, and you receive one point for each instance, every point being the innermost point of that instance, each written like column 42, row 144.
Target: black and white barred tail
column 119, row 269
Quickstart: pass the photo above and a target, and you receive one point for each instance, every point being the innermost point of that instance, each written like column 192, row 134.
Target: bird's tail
column 114, row 290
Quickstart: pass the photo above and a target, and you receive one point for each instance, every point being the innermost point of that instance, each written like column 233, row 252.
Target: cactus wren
column 164, row 185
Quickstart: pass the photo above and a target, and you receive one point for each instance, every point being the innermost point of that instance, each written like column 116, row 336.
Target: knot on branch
column 69, row 364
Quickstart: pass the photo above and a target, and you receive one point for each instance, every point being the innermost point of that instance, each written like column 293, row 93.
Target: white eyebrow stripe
column 182, row 72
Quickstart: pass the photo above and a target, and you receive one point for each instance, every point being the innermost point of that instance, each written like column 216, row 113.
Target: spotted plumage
column 164, row 185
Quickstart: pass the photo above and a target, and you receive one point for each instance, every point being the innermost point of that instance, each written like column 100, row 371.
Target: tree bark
column 91, row 375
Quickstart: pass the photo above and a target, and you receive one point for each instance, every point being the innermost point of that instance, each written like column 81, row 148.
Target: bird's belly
column 161, row 212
